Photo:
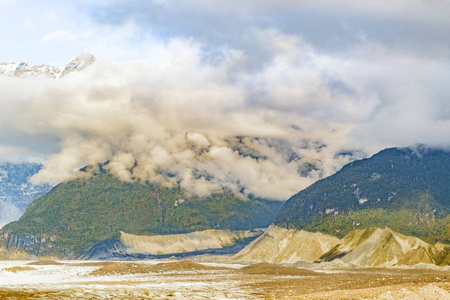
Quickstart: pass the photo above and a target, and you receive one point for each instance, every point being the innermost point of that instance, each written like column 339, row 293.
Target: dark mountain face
column 406, row 189
column 77, row 214
column 16, row 191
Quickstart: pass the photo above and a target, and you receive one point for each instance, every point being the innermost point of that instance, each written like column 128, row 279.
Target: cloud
column 259, row 97
column 328, row 25
column 265, row 128
column 6, row 151
column 379, row 9
column 188, row 124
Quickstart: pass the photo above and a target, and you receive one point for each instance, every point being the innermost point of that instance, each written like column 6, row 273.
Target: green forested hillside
column 75, row 215
column 407, row 190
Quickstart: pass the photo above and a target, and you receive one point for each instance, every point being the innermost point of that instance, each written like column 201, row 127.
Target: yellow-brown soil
column 262, row 281
column 137, row 268
column 184, row 265
column 44, row 262
column 93, row 264
column 121, row 269
column 18, row 269
column 270, row 269
column 355, row 284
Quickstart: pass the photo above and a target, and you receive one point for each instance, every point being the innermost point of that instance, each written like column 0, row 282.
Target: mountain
column 78, row 63
column 182, row 243
column 77, row 214
column 286, row 246
column 212, row 241
column 30, row 70
column 16, row 190
column 370, row 247
column 375, row 247
column 405, row 189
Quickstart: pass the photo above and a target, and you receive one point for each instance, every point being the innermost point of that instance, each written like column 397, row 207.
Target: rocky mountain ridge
column 371, row 247
column 31, row 70
column 376, row 247
column 287, row 246
column 131, row 246
column 388, row 210
column 405, row 189
column 76, row 215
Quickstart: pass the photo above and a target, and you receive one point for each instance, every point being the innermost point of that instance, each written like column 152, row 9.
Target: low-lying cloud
column 265, row 123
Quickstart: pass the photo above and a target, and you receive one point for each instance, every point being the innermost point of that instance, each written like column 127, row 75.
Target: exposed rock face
column 179, row 243
column 371, row 247
column 32, row 244
column 375, row 247
column 18, row 254
column 279, row 245
column 30, row 70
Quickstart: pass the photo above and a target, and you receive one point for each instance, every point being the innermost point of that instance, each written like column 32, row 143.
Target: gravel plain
column 189, row 280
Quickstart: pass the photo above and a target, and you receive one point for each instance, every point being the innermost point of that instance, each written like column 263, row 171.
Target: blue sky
column 263, row 97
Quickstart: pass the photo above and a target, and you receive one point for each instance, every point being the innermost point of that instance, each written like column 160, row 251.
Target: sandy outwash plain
column 190, row 280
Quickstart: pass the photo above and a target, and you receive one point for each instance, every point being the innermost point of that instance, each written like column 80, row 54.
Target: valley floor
column 76, row 280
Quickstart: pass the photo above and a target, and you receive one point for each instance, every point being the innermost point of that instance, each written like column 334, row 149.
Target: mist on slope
column 266, row 124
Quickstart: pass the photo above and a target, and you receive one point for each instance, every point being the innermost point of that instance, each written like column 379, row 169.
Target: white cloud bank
column 265, row 122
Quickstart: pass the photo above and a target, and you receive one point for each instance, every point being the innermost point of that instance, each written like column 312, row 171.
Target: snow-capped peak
column 78, row 63
column 31, row 70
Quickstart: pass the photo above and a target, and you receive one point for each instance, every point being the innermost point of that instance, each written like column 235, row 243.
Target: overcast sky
column 264, row 97
column 54, row 31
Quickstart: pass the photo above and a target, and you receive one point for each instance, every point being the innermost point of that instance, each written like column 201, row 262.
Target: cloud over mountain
column 259, row 105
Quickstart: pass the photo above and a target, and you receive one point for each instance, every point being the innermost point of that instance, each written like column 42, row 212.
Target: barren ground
column 188, row 280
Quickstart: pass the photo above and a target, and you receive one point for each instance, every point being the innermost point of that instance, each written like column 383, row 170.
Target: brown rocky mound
column 93, row 264
column 44, row 262
column 184, row 265
column 122, row 269
column 270, row 269
column 133, row 268
column 18, row 269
